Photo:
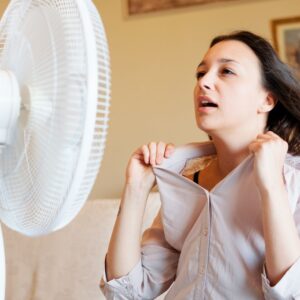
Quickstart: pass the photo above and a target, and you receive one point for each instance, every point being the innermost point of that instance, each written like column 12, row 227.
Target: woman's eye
column 200, row 74
column 227, row 71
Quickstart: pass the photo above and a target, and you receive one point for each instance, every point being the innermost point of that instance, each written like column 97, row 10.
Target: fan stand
column 10, row 102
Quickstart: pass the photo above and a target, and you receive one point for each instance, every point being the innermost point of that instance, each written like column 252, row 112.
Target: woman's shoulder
column 293, row 161
column 292, row 172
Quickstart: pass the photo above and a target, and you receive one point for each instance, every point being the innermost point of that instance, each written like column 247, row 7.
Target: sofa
column 67, row 264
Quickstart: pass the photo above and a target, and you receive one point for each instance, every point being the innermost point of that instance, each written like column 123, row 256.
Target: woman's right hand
column 139, row 168
column 127, row 229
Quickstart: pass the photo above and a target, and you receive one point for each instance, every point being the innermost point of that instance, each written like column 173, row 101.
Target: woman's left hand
column 269, row 154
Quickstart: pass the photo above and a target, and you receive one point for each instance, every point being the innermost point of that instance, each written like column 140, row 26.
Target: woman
column 230, row 219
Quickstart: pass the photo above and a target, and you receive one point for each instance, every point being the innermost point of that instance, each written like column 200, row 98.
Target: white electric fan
column 54, row 104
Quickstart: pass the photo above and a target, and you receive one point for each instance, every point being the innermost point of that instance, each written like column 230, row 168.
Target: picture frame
column 286, row 39
column 145, row 6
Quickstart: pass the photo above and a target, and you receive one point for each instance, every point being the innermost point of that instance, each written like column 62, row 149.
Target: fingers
column 259, row 141
column 169, row 150
column 155, row 152
column 146, row 153
column 269, row 135
column 160, row 152
column 254, row 147
column 265, row 139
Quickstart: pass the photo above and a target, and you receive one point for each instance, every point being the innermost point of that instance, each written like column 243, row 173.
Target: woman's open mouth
column 206, row 104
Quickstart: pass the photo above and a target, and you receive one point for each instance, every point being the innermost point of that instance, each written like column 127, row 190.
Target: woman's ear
column 268, row 103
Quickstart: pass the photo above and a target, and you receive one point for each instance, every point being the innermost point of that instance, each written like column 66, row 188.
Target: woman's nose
column 206, row 81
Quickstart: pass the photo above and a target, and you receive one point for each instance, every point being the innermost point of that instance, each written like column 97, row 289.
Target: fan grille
column 44, row 44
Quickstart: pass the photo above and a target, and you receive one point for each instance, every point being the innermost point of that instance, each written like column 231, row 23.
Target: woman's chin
column 208, row 129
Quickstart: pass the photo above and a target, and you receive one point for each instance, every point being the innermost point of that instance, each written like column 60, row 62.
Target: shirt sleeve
column 289, row 285
column 287, row 288
column 152, row 275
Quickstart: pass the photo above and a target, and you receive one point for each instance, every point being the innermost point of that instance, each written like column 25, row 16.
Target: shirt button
column 202, row 270
column 205, row 231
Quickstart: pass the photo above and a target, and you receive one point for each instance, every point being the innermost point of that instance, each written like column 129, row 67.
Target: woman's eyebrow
column 220, row 60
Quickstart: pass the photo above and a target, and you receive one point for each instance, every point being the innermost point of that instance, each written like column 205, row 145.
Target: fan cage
column 50, row 168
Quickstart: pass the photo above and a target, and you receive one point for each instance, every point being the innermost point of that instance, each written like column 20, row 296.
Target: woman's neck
column 230, row 153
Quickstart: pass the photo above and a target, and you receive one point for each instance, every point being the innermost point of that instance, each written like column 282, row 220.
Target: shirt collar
column 182, row 154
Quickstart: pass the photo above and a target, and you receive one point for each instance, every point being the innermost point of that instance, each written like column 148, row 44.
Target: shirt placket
column 204, row 250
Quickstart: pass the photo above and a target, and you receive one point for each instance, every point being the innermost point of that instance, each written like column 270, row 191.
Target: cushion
column 69, row 263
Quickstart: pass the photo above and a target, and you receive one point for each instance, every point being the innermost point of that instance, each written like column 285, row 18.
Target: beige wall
column 153, row 62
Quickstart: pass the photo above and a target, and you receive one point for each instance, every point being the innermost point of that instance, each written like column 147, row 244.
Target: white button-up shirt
column 208, row 244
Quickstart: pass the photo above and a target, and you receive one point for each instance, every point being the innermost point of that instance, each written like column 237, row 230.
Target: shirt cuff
column 123, row 287
column 288, row 286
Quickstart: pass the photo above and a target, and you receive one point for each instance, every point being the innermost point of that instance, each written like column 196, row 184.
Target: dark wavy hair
column 278, row 79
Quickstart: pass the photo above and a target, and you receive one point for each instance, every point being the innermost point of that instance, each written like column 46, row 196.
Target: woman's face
column 229, row 76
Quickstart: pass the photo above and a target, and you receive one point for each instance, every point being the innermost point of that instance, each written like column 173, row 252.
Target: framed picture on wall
column 286, row 37
column 143, row 6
